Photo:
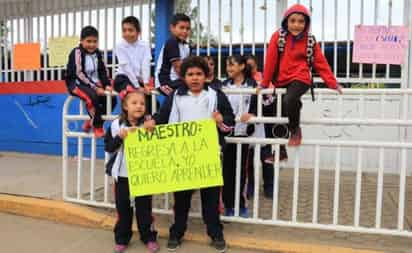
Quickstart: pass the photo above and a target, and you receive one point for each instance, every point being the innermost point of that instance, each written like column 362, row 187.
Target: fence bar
column 257, row 167
column 92, row 167
column 379, row 189
column 337, row 186
column 276, row 180
column 79, row 166
column 238, row 171
column 316, row 185
column 296, row 185
column 358, row 187
column 402, row 186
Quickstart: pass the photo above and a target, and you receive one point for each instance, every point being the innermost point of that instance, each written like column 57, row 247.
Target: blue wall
column 33, row 124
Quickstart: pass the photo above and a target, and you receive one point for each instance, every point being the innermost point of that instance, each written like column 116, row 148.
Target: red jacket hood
column 296, row 8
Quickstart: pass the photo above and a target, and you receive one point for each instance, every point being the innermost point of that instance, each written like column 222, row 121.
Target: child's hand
column 246, row 117
column 339, row 89
column 217, row 116
column 166, row 89
column 149, row 125
column 123, row 133
column 100, row 91
column 109, row 88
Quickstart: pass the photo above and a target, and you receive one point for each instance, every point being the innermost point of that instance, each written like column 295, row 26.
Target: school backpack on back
column 311, row 41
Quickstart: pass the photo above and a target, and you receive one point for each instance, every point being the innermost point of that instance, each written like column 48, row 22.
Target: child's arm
column 322, row 67
column 123, row 59
column 225, row 109
column 112, row 144
column 145, row 68
column 102, row 71
column 75, row 71
column 271, row 61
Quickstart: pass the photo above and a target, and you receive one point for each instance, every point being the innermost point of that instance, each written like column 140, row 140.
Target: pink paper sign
column 380, row 44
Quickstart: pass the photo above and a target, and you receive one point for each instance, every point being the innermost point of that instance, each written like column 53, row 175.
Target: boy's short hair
column 179, row 17
column 194, row 62
column 133, row 21
column 88, row 31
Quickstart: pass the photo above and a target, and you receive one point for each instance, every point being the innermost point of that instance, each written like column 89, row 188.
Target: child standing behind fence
column 87, row 78
column 132, row 116
column 292, row 53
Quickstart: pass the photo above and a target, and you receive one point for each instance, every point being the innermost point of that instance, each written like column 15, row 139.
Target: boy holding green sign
column 196, row 101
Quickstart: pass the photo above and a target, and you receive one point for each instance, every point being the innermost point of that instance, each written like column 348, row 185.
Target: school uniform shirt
column 173, row 50
column 182, row 105
column 87, row 69
column 293, row 64
column 134, row 61
column 240, row 104
column 113, row 145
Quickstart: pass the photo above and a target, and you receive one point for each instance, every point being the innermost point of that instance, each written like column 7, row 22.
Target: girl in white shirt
column 134, row 57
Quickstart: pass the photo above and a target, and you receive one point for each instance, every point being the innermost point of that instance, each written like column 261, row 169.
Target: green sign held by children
column 173, row 157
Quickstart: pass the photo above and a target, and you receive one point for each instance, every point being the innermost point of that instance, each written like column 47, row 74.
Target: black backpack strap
column 281, row 49
column 310, row 56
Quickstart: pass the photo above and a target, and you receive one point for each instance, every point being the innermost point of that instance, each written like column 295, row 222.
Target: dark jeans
column 123, row 227
column 210, row 212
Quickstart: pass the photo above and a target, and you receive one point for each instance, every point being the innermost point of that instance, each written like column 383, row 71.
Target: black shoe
column 173, row 243
column 219, row 244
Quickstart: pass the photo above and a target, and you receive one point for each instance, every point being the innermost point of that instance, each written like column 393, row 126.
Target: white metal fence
column 100, row 183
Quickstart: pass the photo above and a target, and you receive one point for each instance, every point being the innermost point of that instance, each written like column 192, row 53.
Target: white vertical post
column 316, row 186
column 276, row 180
column 238, row 174
column 296, row 185
column 79, row 167
column 92, row 167
column 198, row 29
column 379, row 189
column 209, row 30
column 231, row 27
column 337, row 186
column 402, row 187
column 256, row 166
column 358, row 187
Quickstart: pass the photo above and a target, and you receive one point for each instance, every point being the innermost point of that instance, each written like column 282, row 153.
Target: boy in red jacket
column 289, row 66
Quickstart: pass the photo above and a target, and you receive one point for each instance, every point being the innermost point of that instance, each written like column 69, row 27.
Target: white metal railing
column 361, row 147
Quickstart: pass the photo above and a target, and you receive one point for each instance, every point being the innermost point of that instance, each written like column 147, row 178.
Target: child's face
column 89, row 43
column 234, row 69
column 181, row 30
column 252, row 64
column 296, row 23
column 211, row 65
column 195, row 79
column 134, row 105
column 129, row 32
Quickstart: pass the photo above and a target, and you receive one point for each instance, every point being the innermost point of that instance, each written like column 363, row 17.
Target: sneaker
column 173, row 243
column 219, row 244
column 229, row 212
column 119, row 248
column 152, row 247
column 98, row 132
column 87, row 125
column 283, row 155
column 244, row 212
column 295, row 137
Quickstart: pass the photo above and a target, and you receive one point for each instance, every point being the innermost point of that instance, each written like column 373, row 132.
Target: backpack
column 311, row 42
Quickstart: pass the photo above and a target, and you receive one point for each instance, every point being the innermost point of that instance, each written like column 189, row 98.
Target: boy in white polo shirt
column 195, row 101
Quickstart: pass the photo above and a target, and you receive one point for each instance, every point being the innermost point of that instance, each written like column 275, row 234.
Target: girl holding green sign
column 133, row 115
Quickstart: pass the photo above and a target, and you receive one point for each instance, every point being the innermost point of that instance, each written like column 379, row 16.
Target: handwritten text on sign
column 380, row 44
column 174, row 157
